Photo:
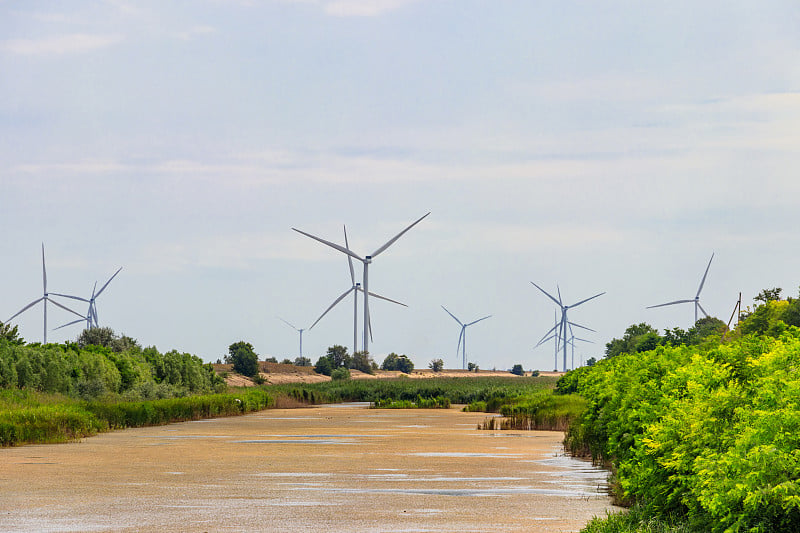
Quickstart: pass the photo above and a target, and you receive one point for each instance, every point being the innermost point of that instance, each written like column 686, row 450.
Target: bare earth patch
column 331, row 468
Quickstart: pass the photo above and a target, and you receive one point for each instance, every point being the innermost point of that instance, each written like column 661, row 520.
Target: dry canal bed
column 333, row 468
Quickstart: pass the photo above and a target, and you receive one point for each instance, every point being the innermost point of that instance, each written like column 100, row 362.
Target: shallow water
column 342, row 468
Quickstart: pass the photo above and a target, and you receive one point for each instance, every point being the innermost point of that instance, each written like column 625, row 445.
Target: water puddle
column 465, row 454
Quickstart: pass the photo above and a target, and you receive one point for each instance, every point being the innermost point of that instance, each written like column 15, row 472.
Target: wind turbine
column 300, row 330
column 366, row 260
column 463, row 336
column 91, row 314
column 355, row 289
column 696, row 299
column 562, row 326
column 45, row 298
column 554, row 336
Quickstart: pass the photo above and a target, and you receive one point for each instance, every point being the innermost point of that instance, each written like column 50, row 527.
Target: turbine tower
column 696, row 299
column 91, row 314
column 366, row 260
column 562, row 326
column 463, row 336
column 355, row 289
column 300, row 330
column 44, row 299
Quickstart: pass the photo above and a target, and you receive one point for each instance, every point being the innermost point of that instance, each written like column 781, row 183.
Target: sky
column 584, row 146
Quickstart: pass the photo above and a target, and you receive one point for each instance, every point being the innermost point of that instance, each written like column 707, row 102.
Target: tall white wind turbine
column 44, row 299
column 562, row 326
column 462, row 338
column 355, row 289
column 366, row 260
column 91, row 314
column 696, row 299
column 299, row 330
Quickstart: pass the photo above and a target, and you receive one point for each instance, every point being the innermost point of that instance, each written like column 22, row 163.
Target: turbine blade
column 583, row 340
column 579, row 326
column 703, row 310
column 551, row 330
column 558, row 303
column 336, row 301
column 586, row 300
column 44, row 273
column 460, row 336
column 331, row 244
column 369, row 323
column 94, row 316
column 476, row 321
column 107, row 282
column 288, row 324
column 68, row 296
column 383, row 298
column 64, row 307
column 452, row 315
column 544, row 341
column 670, row 303
column 349, row 259
column 70, row 323
column 393, row 239
column 25, row 309
column 703, row 281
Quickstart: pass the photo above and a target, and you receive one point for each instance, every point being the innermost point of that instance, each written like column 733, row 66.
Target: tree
column 591, row 361
column 323, row 366
column 338, row 356
column 769, row 295
column 472, row 367
column 302, row 361
column 11, row 334
column 517, row 370
column 96, row 337
column 397, row 362
column 243, row 358
column 628, row 343
column 437, row 365
column 363, row 362
column 340, row 373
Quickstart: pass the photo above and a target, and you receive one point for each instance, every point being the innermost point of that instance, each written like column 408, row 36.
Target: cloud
column 76, row 43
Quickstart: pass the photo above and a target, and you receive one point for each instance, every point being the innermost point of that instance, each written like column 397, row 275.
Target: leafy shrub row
column 707, row 432
column 27, row 417
column 92, row 372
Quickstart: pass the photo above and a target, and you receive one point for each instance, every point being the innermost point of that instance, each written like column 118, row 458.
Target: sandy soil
column 344, row 468
column 277, row 373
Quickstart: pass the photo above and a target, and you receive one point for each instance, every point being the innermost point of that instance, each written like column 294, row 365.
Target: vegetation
column 517, row 370
column 438, row 402
column 701, row 433
column 398, row 362
column 340, row 374
column 491, row 390
column 437, row 365
column 243, row 358
column 30, row 417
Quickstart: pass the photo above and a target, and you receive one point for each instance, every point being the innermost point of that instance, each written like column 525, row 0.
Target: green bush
column 339, row 374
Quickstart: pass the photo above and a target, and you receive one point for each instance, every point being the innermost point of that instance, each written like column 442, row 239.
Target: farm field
column 329, row 468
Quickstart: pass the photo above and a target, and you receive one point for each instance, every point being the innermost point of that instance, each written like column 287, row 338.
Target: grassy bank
column 28, row 417
column 491, row 390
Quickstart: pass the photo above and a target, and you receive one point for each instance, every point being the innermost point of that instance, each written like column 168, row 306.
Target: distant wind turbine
column 299, row 330
column 696, row 299
column 562, row 326
column 366, row 260
column 91, row 314
column 355, row 289
column 44, row 299
column 462, row 338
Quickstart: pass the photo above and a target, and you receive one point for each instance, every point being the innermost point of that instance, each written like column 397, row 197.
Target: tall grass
column 457, row 390
column 28, row 417
column 541, row 410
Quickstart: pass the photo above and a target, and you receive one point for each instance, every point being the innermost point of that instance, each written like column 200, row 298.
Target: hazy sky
column 591, row 146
